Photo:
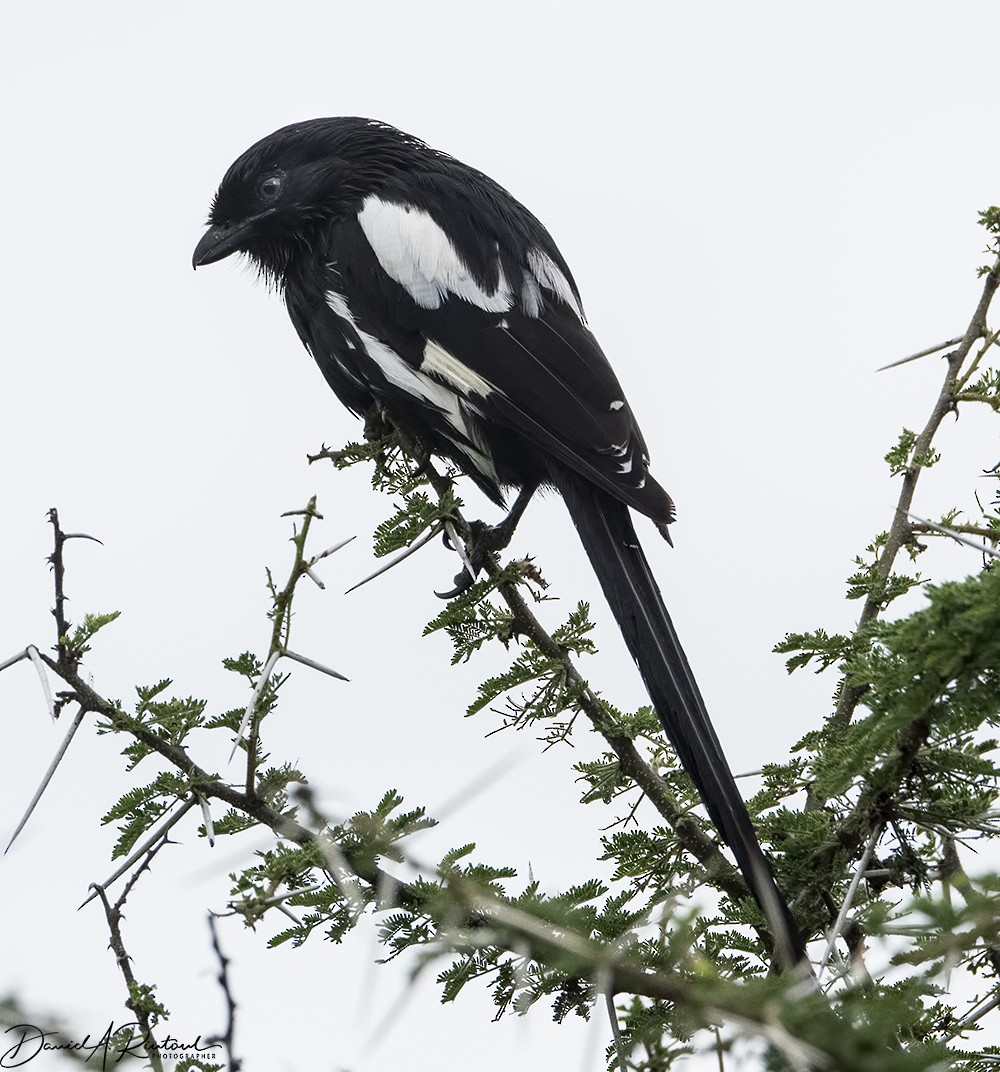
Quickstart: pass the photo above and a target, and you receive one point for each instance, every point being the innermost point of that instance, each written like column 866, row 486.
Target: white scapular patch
column 545, row 272
column 415, row 252
column 421, row 386
column 531, row 296
column 617, row 404
column 466, row 381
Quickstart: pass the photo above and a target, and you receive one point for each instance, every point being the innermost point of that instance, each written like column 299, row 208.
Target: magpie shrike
column 420, row 285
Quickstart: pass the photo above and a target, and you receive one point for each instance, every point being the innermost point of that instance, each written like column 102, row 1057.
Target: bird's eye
column 270, row 187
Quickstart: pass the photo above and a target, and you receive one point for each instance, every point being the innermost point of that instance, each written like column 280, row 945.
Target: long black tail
column 610, row 540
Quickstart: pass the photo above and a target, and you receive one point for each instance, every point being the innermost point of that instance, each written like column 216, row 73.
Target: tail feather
column 610, row 540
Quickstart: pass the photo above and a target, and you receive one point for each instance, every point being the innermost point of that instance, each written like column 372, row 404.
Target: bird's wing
column 496, row 322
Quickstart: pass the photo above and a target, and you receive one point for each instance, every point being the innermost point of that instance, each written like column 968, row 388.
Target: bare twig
column 136, row 991
column 234, row 1064
column 616, row 1031
column 985, row 1006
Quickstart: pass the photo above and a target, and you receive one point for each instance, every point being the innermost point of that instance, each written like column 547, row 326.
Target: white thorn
column 142, row 849
column 206, row 814
column 258, row 689
column 14, row 659
column 426, row 538
column 330, row 550
column 848, row 900
column 459, row 547
column 923, row 353
column 957, row 536
column 32, row 653
column 314, row 577
column 47, row 777
column 314, row 665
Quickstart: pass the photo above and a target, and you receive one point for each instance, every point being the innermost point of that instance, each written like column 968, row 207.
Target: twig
column 957, row 536
column 616, row 1031
column 899, row 531
column 233, row 1062
column 979, row 1012
column 113, row 913
column 143, row 849
column 59, row 573
column 57, row 562
column 47, row 777
column 690, row 832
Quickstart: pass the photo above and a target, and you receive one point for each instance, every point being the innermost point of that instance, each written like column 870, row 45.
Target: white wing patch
column 421, row 386
column 546, row 273
column 415, row 252
column 466, row 381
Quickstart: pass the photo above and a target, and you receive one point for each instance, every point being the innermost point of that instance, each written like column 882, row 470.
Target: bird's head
column 276, row 197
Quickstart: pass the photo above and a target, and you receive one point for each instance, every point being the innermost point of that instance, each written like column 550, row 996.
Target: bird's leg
column 377, row 423
column 486, row 539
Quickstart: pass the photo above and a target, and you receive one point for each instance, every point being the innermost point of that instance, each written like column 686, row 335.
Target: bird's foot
column 483, row 540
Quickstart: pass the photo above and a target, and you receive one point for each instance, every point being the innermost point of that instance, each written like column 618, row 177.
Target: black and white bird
column 421, row 286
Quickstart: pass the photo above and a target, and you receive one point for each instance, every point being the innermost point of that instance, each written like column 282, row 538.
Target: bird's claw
column 463, row 582
column 482, row 541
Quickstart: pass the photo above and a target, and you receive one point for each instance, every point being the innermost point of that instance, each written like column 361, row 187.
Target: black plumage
column 419, row 284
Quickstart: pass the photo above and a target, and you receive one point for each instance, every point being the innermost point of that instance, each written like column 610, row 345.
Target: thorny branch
column 690, row 832
column 575, row 954
column 901, row 530
column 139, row 996
column 226, row 1039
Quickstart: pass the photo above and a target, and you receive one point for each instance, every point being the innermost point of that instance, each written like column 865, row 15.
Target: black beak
column 219, row 242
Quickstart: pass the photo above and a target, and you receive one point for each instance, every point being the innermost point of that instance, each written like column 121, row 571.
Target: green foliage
column 869, row 583
column 898, row 458
column 92, row 624
column 140, row 808
column 827, row 650
column 931, row 680
column 899, row 780
column 471, row 619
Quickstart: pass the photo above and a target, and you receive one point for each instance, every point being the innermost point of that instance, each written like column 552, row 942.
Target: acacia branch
column 901, row 530
column 688, row 829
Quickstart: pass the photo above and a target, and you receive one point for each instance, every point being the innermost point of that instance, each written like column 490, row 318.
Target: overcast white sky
column 761, row 204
